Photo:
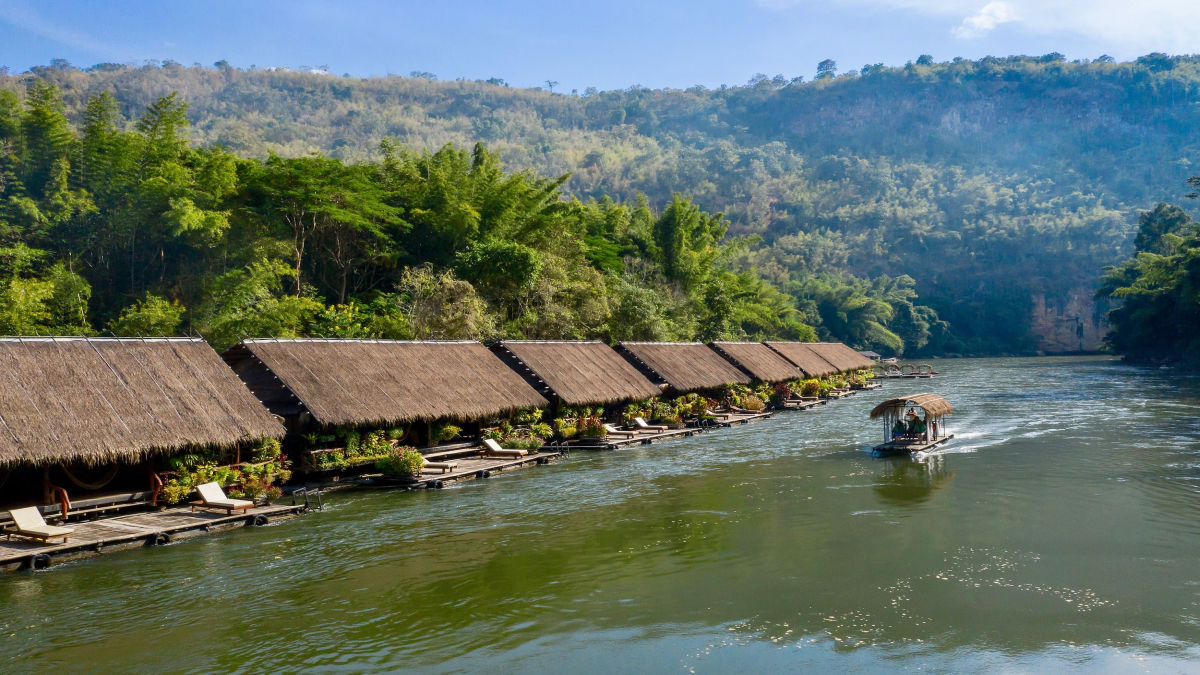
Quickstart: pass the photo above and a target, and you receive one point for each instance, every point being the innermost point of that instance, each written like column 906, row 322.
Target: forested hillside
column 996, row 189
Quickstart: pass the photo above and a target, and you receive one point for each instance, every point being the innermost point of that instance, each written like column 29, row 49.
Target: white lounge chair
column 28, row 522
column 492, row 448
column 641, row 424
column 213, row 497
column 613, row 431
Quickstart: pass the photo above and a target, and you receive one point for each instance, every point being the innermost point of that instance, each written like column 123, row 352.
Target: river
column 1059, row 530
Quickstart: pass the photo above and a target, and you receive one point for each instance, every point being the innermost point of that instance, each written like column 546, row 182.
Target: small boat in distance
column 905, row 430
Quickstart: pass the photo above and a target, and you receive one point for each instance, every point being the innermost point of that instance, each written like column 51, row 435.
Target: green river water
column 1059, row 531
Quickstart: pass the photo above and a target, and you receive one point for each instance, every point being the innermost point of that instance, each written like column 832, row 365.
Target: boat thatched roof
column 930, row 403
column 805, row 357
column 685, row 366
column 842, row 357
column 381, row 382
column 762, row 362
column 580, row 372
column 98, row 401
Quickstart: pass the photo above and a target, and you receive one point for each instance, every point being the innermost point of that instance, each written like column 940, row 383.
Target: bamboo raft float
column 106, row 535
column 900, row 447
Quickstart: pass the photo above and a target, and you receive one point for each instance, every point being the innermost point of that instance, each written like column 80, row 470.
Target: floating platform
column 133, row 530
column 907, row 447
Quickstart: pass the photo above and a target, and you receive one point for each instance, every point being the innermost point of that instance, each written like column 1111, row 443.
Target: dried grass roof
column 105, row 400
column 930, row 403
column 382, row 382
column 842, row 357
column 759, row 360
column 581, row 372
column 805, row 357
column 686, row 366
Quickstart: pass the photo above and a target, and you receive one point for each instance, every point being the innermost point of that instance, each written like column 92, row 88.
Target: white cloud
column 984, row 21
column 1130, row 26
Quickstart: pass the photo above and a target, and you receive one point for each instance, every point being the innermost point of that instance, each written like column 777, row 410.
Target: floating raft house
column 78, row 413
column 100, row 400
column 379, row 382
column 683, row 366
column 763, row 363
column 842, row 357
column 577, row 372
column 805, row 358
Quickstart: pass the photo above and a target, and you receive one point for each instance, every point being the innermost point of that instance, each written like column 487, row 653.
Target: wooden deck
column 149, row 528
column 736, row 418
column 469, row 468
column 908, row 447
column 642, row 438
column 805, row 404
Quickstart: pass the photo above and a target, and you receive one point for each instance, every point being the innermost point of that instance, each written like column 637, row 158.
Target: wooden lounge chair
column 641, row 425
column 444, row 467
column 213, row 497
column 613, row 431
column 717, row 414
column 28, row 522
column 492, row 449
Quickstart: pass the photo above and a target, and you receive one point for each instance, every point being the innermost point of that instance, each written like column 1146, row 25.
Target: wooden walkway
column 150, row 528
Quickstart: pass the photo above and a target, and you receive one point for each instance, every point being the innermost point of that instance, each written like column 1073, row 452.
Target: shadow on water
column 1059, row 539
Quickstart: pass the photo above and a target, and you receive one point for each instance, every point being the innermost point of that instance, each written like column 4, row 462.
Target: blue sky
column 608, row 45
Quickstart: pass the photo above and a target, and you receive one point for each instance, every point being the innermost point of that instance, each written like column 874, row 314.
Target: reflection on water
column 1058, row 530
column 905, row 481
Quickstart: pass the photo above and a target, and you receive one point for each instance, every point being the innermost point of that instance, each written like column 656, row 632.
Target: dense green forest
column 137, row 232
column 990, row 193
column 1158, row 290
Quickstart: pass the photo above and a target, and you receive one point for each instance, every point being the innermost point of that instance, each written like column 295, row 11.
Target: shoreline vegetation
column 643, row 214
column 1157, row 290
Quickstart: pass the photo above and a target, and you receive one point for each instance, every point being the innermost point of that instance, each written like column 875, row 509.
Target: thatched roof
column 579, row 373
column 380, row 382
column 759, row 360
column 685, row 366
column 805, row 357
column 842, row 357
column 930, row 403
column 104, row 400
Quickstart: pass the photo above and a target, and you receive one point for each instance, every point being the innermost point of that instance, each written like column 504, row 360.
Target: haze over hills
column 1001, row 186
